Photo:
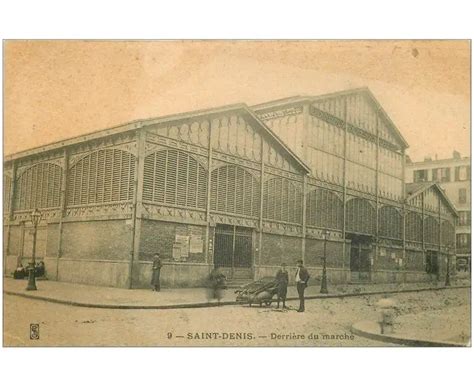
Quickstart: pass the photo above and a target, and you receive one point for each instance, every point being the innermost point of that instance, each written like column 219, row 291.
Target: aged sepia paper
column 237, row 193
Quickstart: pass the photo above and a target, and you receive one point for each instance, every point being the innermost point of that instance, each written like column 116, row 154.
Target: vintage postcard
column 237, row 193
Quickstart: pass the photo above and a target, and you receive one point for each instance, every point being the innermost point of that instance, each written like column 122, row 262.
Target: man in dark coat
column 155, row 279
column 282, row 285
column 301, row 277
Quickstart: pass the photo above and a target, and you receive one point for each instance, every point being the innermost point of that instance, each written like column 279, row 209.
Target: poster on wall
column 196, row 244
column 183, row 241
column 176, row 251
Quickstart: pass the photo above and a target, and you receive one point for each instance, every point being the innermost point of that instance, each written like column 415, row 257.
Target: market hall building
column 241, row 188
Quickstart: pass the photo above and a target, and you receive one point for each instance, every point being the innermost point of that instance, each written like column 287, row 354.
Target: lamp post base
column 31, row 282
column 324, row 283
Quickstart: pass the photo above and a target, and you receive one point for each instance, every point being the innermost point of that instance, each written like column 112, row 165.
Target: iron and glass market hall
column 236, row 187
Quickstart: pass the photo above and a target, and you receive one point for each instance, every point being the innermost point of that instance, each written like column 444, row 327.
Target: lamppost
column 448, row 264
column 35, row 219
column 324, row 279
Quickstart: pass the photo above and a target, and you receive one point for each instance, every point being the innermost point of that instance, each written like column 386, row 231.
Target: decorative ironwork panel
column 176, row 178
column 390, row 222
column 173, row 213
column 39, row 187
column 234, row 190
column 360, row 216
column 282, row 228
column 324, row 209
column 103, row 176
column 282, row 200
column 123, row 209
column 431, row 200
column 233, row 135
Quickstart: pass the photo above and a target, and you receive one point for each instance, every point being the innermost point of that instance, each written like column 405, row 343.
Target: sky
column 59, row 89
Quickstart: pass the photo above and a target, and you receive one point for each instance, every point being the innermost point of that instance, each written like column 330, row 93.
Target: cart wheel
column 268, row 303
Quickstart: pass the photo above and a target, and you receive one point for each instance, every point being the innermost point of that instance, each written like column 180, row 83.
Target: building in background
column 236, row 187
column 453, row 175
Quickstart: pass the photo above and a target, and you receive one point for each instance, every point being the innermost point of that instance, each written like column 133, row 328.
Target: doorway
column 233, row 251
column 360, row 261
column 432, row 263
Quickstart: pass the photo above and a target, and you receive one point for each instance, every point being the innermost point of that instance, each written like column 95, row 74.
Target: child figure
column 282, row 285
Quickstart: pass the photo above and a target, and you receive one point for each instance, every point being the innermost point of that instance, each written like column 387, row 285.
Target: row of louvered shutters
column 173, row 177
column 170, row 177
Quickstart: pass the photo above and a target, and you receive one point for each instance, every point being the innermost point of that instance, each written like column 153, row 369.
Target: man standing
column 302, row 277
column 155, row 279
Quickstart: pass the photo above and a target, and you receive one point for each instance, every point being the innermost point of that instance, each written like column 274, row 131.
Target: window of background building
column 445, row 174
column 434, row 174
column 463, row 240
column 420, row 175
column 462, row 173
column 462, row 195
column 464, row 218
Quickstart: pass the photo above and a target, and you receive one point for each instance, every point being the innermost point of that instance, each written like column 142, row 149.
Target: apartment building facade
column 453, row 175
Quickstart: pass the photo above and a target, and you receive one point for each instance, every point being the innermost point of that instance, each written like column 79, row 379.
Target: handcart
column 260, row 291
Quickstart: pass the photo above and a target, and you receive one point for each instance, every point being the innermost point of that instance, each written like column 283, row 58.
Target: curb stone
column 215, row 304
column 358, row 329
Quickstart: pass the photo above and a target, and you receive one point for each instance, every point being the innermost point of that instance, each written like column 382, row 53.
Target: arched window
column 360, row 216
column 39, row 187
column 447, row 233
column 174, row 177
column 324, row 209
column 390, row 222
column 282, row 200
column 235, row 191
column 103, row 176
column 414, row 227
column 431, row 230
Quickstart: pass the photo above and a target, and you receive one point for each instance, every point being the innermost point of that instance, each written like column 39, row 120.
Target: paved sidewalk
column 117, row 298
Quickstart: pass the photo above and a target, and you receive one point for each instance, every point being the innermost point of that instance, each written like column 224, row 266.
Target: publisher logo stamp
column 34, row 331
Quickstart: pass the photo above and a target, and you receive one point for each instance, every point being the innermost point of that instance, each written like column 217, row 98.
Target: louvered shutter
column 175, row 178
column 39, row 187
column 100, row 177
column 235, row 191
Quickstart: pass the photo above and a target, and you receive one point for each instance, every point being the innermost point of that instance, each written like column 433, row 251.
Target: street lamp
column 324, row 279
column 35, row 219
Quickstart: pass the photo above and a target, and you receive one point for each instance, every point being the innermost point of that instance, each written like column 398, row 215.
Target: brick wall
column 15, row 240
column 314, row 251
column 277, row 249
column 52, row 240
column 107, row 240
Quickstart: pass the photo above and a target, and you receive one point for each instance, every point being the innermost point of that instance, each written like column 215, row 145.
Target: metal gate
column 233, row 251
column 360, row 259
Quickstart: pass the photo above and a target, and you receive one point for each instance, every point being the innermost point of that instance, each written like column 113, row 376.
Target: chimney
column 456, row 155
column 427, row 158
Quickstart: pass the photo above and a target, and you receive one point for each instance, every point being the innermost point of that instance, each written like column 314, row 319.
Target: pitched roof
column 242, row 107
column 414, row 189
column 364, row 91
